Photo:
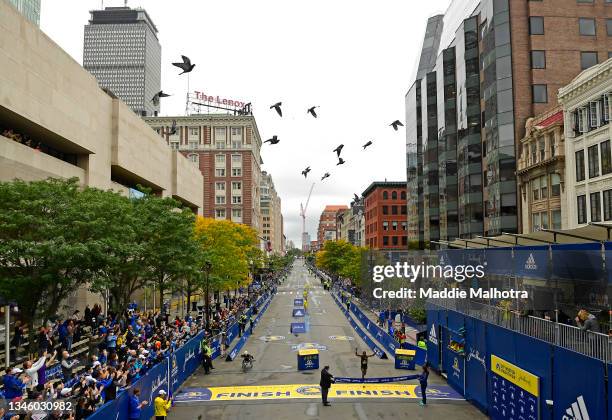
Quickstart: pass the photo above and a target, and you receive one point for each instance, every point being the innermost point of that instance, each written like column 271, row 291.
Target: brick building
column 385, row 216
column 327, row 224
column 226, row 149
column 486, row 66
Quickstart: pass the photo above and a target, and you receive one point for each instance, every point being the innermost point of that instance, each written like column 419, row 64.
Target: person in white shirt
column 31, row 369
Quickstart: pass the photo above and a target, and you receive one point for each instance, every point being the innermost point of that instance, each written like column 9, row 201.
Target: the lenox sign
column 201, row 96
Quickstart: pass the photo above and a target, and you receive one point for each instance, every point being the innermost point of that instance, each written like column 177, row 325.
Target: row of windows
column 394, row 209
column 220, row 199
column 394, row 225
column 385, row 195
column 599, row 156
column 236, row 186
column 593, row 115
column 586, row 26
column 540, row 220
column 595, row 207
column 395, row 241
column 236, row 214
column 587, row 59
column 541, row 185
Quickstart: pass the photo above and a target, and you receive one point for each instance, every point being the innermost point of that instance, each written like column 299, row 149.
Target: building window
column 219, row 172
column 393, row 209
column 237, row 215
column 587, row 26
column 581, row 200
column 535, row 188
column 394, row 195
column 404, row 210
column 194, row 131
column 538, row 59
column 237, row 186
column 236, row 171
column 385, row 241
column 394, row 226
column 220, row 213
column 535, row 222
column 404, row 226
column 555, row 185
column 556, row 219
column 606, row 107
column 236, row 199
column 594, row 116
column 580, row 165
column 220, row 160
column 219, row 186
column 394, row 240
column 539, row 94
column 385, row 226
column 194, row 157
column 385, row 209
column 607, row 205
column 174, row 145
column 593, row 162
column 595, row 207
column 609, row 27
column 536, row 25
column 588, row 59
column 220, row 134
column 385, row 195
column 606, row 158
column 403, row 195
column 219, row 199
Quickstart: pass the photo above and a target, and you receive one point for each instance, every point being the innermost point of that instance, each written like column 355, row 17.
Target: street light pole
column 206, row 269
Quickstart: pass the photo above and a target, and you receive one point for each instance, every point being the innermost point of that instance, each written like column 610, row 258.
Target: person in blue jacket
column 136, row 405
column 13, row 386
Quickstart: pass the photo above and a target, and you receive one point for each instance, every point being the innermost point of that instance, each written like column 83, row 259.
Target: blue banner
column 577, row 261
column 609, row 392
column 579, row 386
column 116, row 409
column 298, row 328
column 532, row 262
column 453, row 257
column 433, row 338
column 454, row 366
column 298, row 313
column 476, row 362
column 184, row 361
column 499, row 261
column 150, row 385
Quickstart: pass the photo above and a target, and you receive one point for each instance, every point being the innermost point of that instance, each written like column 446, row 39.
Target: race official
column 327, row 379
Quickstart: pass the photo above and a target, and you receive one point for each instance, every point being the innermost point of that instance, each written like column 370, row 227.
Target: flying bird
column 277, row 107
column 338, row 150
column 273, row 140
column 395, row 124
column 158, row 95
column 326, row 175
column 173, row 129
column 312, row 112
column 340, row 161
column 305, row 171
column 369, row 143
column 186, row 65
column 355, row 197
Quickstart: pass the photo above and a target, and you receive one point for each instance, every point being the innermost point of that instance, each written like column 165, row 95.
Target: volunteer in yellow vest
column 162, row 404
column 422, row 344
column 306, row 304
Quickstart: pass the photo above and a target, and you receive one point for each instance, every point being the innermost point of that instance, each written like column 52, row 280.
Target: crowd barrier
column 370, row 343
column 168, row 375
column 343, row 380
column 537, row 370
column 246, row 334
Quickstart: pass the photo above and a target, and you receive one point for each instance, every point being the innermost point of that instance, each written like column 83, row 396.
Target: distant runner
column 364, row 362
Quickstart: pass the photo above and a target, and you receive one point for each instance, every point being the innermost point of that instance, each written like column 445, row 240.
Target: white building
column 588, row 153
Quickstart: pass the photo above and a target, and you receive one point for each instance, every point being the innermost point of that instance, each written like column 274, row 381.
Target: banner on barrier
column 499, row 261
column 532, row 262
column 577, row 261
column 184, row 361
column 514, row 391
column 234, row 352
column 586, row 397
column 343, row 380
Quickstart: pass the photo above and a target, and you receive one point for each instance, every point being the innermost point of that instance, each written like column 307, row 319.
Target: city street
column 274, row 349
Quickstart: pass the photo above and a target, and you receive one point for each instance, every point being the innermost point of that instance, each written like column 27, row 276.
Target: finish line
column 309, row 391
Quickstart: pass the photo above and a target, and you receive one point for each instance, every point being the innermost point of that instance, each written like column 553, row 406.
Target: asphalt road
column 276, row 364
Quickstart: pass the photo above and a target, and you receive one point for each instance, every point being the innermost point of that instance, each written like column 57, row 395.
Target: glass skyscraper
column 122, row 51
column 476, row 85
column 29, row 8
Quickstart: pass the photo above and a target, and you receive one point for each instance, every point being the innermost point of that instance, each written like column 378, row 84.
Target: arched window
column 394, row 195
column 385, row 195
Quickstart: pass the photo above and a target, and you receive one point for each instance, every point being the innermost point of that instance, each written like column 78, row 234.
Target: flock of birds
column 187, row 67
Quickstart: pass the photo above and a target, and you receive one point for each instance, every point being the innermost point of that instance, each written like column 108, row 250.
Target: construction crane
column 303, row 215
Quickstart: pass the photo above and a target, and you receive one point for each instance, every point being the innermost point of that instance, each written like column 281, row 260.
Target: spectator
column 17, row 339
column 13, row 386
column 67, row 365
column 135, row 405
column 586, row 321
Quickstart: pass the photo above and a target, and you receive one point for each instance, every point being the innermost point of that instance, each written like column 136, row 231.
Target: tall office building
column 327, row 224
column 28, row 8
column 487, row 66
column 271, row 217
column 122, row 51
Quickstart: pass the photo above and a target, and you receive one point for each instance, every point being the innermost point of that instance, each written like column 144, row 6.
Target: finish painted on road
column 306, row 391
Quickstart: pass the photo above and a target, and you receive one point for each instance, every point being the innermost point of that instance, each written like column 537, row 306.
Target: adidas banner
column 433, row 343
column 532, row 262
column 579, row 386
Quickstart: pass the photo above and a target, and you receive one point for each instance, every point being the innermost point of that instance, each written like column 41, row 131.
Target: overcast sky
column 353, row 58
